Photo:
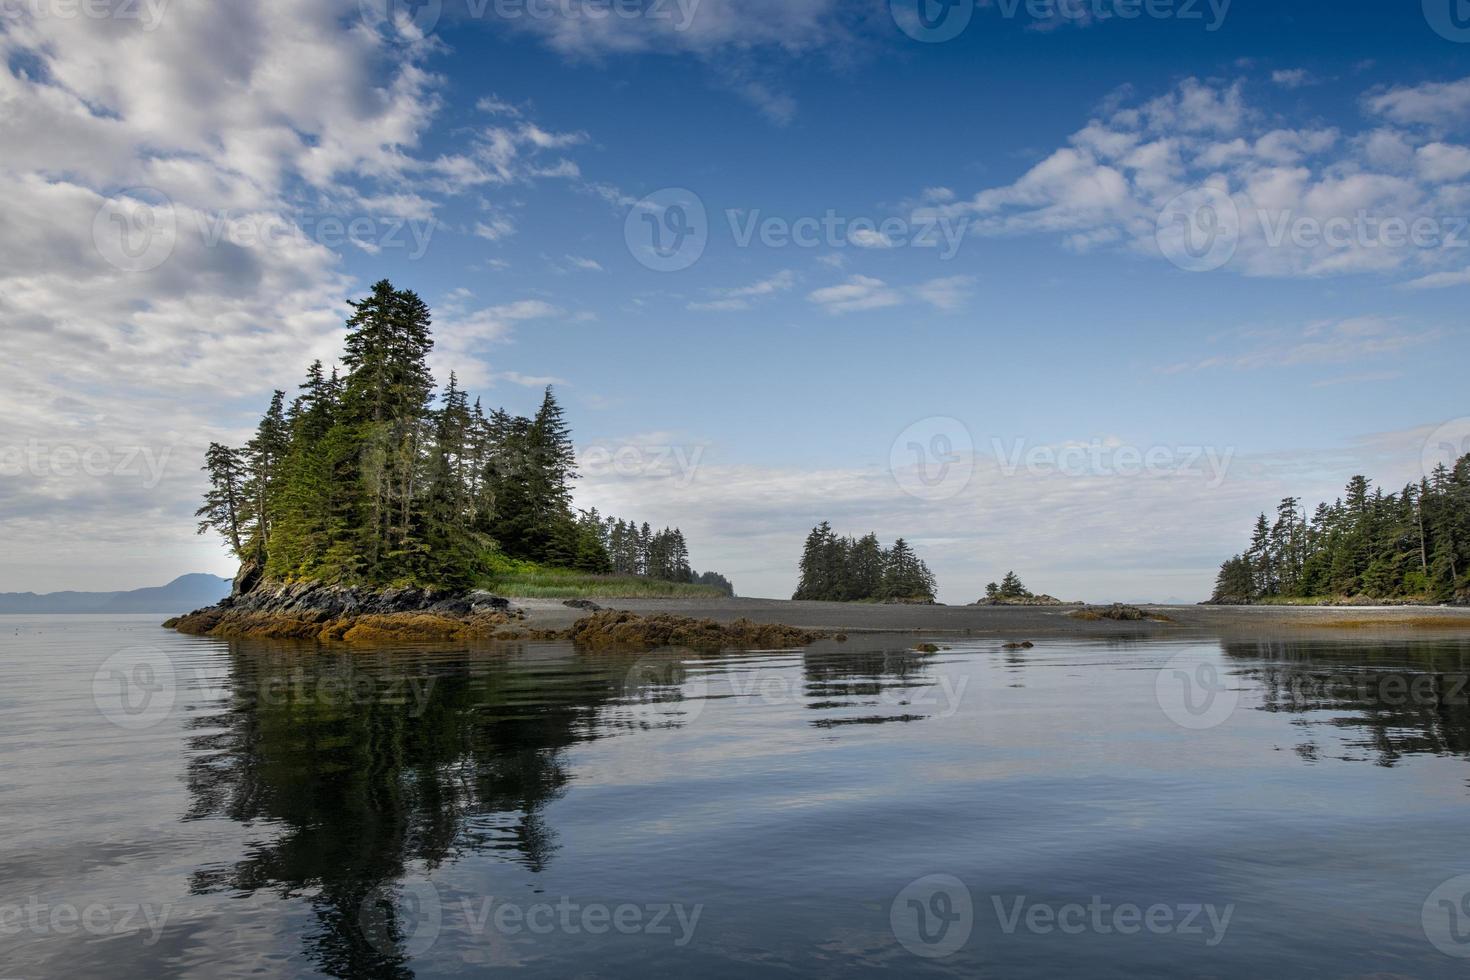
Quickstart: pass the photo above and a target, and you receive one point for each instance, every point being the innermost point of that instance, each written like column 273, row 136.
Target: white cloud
column 870, row 238
column 859, row 293
column 1111, row 184
column 1441, row 280
column 1436, row 105
column 253, row 127
column 1442, row 163
column 749, row 521
column 1362, row 338
column 741, row 297
column 1293, row 78
column 948, row 293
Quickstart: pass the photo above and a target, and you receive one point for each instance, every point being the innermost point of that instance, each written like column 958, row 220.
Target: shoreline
column 1033, row 622
column 366, row 617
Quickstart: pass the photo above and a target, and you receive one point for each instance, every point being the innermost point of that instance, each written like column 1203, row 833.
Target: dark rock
column 247, row 578
column 1117, row 612
column 587, row 604
column 317, row 601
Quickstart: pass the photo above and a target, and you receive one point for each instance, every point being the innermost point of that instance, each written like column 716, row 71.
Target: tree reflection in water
column 1385, row 701
column 363, row 770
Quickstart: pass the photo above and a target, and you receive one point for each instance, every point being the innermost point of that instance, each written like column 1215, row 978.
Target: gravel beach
column 1031, row 622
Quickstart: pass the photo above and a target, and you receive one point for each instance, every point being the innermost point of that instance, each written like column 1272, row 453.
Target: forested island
column 369, row 477
column 1412, row 546
column 847, row 569
column 1011, row 591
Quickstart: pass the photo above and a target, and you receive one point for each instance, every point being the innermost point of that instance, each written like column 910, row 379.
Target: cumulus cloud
column 858, row 294
column 1311, row 201
column 180, row 195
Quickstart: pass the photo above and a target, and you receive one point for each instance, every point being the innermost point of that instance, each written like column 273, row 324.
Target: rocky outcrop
column 1030, row 600
column 315, row 610
column 1118, row 612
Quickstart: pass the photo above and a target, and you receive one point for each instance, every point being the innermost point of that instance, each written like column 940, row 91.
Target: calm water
column 172, row 806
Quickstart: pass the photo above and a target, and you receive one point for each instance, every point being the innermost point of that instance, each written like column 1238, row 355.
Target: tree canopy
column 371, row 477
column 849, row 569
column 1411, row 545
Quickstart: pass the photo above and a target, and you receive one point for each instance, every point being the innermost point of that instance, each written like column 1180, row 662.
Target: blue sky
column 502, row 165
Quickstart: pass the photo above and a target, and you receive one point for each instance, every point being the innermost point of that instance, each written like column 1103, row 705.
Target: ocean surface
column 173, row 806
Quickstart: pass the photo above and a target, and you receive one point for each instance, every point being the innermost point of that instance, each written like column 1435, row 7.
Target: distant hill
column 184, row 594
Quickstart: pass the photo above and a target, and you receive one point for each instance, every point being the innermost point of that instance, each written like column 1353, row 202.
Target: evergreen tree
column 224, row 502
column 844, row 569
column 1406, row 545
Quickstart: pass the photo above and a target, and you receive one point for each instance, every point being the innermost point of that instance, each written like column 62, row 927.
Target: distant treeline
column 368, row 477
column 639, row 550
column 849, row 569
column 1410, row 545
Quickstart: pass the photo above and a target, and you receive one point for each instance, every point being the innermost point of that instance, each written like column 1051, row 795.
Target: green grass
column 528, row 580
column 1332, row 600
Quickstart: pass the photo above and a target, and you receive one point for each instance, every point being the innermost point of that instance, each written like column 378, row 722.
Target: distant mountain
column 184, row 594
